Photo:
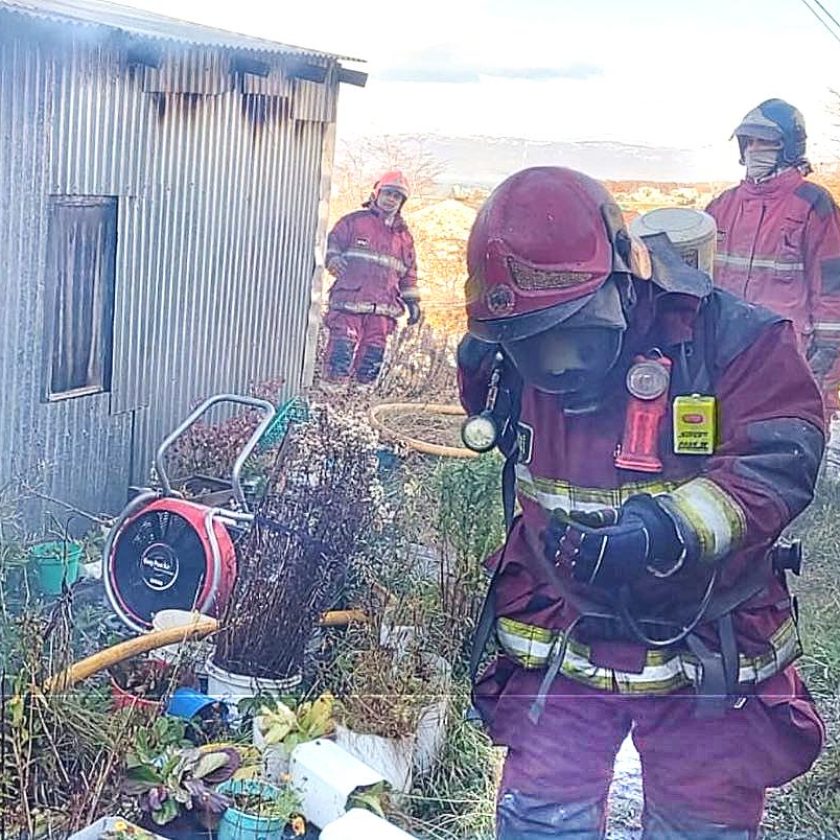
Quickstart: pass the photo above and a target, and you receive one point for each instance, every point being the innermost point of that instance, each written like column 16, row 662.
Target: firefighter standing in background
column 779, row 237
column 371, row 255
column 639, row 591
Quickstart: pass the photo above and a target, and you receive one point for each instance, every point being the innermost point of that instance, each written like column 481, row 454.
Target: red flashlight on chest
column 648, row 382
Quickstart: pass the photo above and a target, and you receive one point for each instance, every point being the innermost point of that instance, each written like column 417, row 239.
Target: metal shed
column 163, row 202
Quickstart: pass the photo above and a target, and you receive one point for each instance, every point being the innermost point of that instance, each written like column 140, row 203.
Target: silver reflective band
column 755, row 262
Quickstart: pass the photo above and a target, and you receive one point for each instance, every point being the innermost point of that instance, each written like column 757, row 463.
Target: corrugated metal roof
column 143, row 24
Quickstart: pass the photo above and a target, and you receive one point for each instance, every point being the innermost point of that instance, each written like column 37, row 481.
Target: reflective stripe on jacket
column 779, row 246
column 662, row 671
column 736, row 501
column 381, row 263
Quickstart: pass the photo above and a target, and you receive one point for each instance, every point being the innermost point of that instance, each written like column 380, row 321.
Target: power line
column 831, row 16
column 814, row 12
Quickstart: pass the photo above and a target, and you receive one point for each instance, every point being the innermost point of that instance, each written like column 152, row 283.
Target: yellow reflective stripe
column 531, row 650
column 758, row 262
column 553, row 494
column 718, row 520
column 532, row 647
column 385, row 260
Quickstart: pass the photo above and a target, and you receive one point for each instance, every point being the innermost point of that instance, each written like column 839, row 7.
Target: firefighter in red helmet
column 371, row 255
column 659, row 435
column 779, row 237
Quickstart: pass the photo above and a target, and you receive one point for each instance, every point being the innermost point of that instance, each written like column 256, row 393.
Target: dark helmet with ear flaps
column 544, row 242
column 776, row 120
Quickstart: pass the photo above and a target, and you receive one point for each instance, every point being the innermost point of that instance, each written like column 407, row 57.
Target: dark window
column 81, row 269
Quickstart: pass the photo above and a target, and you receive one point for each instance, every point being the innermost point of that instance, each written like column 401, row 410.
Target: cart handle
column 253, row 402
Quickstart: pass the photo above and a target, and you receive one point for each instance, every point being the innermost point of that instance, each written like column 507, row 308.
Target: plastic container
column 326, row 775
column 360, row 823
column 186, row 703
column 57, row 563
column 237, row 825
column 165, row 620
column 231, row 688
column 392, row 758
column 95, row 830
column 123, row 699
column 397, row 759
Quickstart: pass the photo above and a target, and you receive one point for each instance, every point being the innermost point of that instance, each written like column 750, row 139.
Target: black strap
column 510, row 447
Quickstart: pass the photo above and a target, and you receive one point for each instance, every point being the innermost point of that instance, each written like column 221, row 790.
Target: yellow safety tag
column 695, row 425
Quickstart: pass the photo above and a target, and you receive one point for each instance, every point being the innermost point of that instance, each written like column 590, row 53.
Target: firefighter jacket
column 737, row 500
column 381, row 268
column 779, row 246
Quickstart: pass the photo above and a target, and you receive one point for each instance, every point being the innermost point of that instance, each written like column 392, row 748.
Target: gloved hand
column 337, row 266
column 610, row 547
column 413, row 307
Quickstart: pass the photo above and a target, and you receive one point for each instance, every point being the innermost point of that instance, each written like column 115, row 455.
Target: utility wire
column 830, row 16
column 825, row 23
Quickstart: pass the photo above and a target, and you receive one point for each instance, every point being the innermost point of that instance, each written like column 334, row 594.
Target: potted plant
column 278, row 729
column 180, row 780
column 260, row 811
column 322, row 502
column 142, row 684
column 393, row 711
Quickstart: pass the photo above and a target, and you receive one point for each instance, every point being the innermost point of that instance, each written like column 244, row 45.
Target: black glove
column 608, row 548
column 413, row 307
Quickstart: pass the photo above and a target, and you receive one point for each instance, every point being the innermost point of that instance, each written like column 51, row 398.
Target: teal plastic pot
column 57, row 562
column 236, row 825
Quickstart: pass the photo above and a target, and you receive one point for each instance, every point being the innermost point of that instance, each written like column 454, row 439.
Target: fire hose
column 378, row 412
column 199, row 629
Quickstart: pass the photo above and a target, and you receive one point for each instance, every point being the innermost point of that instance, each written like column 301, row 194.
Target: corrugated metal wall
column 219, row 196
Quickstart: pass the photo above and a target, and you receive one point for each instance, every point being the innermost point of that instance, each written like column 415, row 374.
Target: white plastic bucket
column 167, row 619
column 231, row 688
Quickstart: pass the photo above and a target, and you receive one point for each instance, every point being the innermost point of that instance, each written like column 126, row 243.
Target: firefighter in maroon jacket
column 779, row 237
column 639, row 591
column 371, row 255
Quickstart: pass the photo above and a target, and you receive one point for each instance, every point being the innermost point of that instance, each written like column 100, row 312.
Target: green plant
column 280, row 725
column 281, row 803
column 180, row 779
column 371, row 797
column 164, row 733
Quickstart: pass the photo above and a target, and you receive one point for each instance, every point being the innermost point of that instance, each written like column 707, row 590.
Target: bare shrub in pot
column 322, row 504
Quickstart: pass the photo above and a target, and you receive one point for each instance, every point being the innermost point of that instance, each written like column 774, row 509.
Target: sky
column 674, row 73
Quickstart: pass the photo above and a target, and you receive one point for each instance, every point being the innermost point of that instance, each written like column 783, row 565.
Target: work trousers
column 705, row 774
column 356, row 346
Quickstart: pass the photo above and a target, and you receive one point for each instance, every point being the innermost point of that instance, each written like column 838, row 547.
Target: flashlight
column 480, row 432
column 647, row 381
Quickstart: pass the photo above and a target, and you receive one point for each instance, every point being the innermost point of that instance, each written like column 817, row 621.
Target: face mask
column 760, row 162
column 572, row 363
column 574, row 358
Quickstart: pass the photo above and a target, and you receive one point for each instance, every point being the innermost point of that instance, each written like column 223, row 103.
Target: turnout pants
column 704, row 777
column 356, row 346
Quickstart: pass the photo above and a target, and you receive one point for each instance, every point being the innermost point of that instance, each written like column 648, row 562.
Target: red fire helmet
column 543, row 243
column 393, row 180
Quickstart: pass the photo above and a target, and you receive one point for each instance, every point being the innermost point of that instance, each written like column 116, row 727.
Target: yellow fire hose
column 377, row 412
column 203, row 626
